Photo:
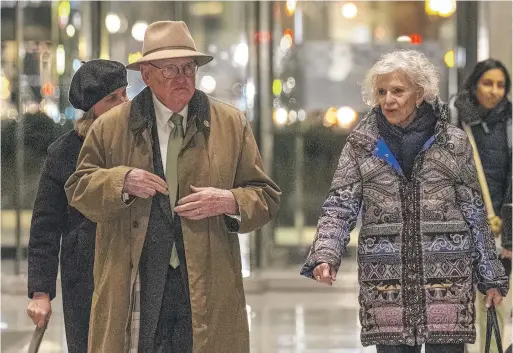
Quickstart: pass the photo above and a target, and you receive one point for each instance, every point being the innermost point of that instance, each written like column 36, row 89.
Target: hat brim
column 200, row 58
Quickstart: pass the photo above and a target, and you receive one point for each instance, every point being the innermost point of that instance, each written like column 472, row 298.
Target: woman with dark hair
column 483, row 105
column 96, row 87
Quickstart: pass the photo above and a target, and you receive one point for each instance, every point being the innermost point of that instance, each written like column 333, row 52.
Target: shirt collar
column 163, row 113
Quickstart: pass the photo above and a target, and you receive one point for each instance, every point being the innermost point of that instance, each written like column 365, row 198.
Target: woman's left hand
column 493, row 296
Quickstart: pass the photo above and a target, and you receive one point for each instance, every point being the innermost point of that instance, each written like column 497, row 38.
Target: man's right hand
column 40, row 309
column 141, row 183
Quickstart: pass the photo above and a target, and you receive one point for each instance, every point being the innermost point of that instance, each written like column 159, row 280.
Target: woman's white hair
column 421, row 72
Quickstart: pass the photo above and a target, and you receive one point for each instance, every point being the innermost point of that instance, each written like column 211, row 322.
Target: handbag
column 492, row 324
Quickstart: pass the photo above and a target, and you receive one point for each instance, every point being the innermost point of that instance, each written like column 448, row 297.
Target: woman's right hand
column 40, row 309
column 323, row 273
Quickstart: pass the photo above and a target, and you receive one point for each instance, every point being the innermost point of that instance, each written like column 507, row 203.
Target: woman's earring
column 417, row 105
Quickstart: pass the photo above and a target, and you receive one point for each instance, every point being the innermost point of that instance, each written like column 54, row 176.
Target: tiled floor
column 293, row 315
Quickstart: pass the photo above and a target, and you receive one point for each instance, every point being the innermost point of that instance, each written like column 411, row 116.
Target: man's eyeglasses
column 171, row 70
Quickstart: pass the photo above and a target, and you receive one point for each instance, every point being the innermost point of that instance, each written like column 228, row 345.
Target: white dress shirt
column 165, row 125
column 164, row 128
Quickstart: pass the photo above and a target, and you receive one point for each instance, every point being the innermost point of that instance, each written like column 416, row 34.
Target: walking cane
column 37, row 337
column 494, row 221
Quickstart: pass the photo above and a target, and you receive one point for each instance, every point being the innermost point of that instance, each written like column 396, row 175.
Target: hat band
column 176, row 47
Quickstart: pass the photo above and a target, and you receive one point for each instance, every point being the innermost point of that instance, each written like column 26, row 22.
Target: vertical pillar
column 20, row 137
column 264, row 110
column 466, row 34
column 500, row 31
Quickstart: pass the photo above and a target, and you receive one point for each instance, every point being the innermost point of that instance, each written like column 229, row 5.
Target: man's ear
column 145, row 74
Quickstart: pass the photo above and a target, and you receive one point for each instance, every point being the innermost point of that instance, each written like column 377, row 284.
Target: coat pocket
column 448, row 263
column 379, row 240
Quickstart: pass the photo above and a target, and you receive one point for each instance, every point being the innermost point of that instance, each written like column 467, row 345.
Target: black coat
column 490, row 130
column 507, row 228
column 54, row 221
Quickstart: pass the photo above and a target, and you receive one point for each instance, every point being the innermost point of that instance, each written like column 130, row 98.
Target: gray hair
column 421, row 72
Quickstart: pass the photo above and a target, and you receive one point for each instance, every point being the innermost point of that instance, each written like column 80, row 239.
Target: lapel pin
column 206, row 123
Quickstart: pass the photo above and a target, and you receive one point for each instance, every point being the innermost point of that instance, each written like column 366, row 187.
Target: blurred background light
column 241, row 55
column 349, row 10
column 286, row 42
column 60, row 59
column 133, row 57
column 208, row 84
column 70, row 30
column 449, row 58
column 138, row 30
column 280, row 116
column 277, row 87
column 290, row 7
column 112, row 23
column 76, row 64
column 404, row 39
column 346, row 116
column 442, row 8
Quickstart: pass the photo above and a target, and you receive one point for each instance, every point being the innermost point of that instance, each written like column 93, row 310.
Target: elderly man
column 170, row 178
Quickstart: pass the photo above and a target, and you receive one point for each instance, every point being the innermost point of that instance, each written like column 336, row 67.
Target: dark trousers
column 174, row 328
column 430, row 348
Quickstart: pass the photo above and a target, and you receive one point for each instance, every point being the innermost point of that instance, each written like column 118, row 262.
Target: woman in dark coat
column 96, row 87
column 484, row 106
column 425, row 242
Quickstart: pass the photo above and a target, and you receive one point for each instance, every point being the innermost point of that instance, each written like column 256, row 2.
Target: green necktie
column 173, row 149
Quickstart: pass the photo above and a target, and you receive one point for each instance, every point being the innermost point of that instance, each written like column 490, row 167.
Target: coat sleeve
column 257, row 196
column 487, row 269
column 94, row 189
column 339, row 214
column 49, row 218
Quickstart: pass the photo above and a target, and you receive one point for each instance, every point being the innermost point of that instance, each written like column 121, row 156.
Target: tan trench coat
column 219, row 150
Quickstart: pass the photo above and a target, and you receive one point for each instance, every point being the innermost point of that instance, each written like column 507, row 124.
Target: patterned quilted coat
column 424, row 244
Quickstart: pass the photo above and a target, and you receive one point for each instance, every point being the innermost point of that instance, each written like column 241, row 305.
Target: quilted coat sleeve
column 257, row 196
column 338, row 215
column 488, row 269
column 94, row 189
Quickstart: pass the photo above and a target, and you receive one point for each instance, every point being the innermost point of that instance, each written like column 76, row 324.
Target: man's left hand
column 206, row 202
column 493, row 296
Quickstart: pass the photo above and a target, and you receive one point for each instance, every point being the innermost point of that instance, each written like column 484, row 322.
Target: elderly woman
column 425, row 242
column 59, row 233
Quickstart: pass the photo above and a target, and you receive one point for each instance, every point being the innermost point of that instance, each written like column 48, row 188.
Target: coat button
column 135, row 224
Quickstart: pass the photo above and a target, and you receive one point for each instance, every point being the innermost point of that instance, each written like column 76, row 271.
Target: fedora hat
column 167, row 40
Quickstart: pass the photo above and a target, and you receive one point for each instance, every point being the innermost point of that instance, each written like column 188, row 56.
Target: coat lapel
column 164, row 201
column 198, row 119
column 142, row 117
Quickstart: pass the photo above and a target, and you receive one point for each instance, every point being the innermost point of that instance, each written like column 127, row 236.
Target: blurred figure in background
column 414, row 177
column 483, row 105
column 97, row 86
